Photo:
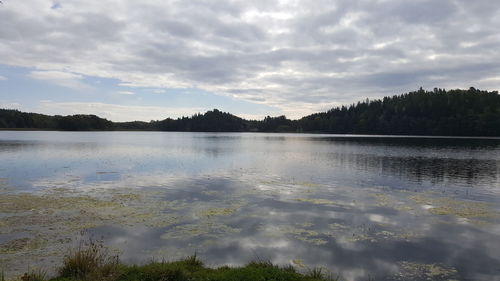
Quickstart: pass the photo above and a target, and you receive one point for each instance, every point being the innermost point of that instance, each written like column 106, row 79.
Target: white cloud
column 61, row 78
column 54, row 75
column 3, row 78
column 159, row 91
column 286, row 54
column 114, row 112
column 9, row 105
column 127, row 93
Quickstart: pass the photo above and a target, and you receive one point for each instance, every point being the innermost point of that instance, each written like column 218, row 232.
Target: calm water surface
column 364, row 208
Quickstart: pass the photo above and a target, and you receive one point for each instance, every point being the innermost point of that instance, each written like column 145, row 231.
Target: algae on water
column 211, row 212
column 317, row 201
column 201, row 229
column 412, row 271
column 298, row 263
column 43, row 223
column 21, row 244
column 456, row 207
column 303, row 234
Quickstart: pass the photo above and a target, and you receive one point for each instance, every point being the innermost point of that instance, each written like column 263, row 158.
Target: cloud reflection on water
column 356, row 206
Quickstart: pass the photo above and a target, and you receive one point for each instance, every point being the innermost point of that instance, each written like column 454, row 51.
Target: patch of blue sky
column 20, row 86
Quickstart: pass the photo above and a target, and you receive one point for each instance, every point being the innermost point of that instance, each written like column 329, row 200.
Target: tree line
column 470, row 112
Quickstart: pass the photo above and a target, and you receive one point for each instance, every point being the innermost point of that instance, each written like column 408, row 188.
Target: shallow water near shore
column 385, row 208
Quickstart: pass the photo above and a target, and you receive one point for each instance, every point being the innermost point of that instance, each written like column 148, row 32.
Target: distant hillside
column 211, row 121
column 17, row 120
column 439, row 112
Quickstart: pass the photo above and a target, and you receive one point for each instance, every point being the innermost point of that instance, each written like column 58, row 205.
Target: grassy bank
column 92, row 262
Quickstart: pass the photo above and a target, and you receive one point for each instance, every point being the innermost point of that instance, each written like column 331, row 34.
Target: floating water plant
column 302, row 234
column 386, row 200
column 21, row 245
column 211, row 212
column 59, row 214
column 205, row 229
column 420, row 271
column 456, row 207
column 317, row 201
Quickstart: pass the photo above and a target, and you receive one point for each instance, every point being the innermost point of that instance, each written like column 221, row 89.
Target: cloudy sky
column 152, row 59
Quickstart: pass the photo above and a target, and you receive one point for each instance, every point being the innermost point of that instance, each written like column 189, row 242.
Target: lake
column 360, row 207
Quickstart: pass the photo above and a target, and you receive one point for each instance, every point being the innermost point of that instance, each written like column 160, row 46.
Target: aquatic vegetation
column 383, row 199
column 462, row 209
column 342, row 232
column 162, row 221
column 204, row 224
column 434, row 203
column 71, row 209
column 302, row 234
column 305, row 224
column 299, row 231
column 338, row 226
column 210, row 192
column 390, row 235
column 310, row 185
column 371, row 233
column 205, row 229
column 315, row 241
column 389, row 201
column 421, row 271
column 456, row 207
column 317, row 201
column 45, row 222
column 176, row 205
column 299, row 263
column 211, row 212
column 47, row 204
column 21, row 244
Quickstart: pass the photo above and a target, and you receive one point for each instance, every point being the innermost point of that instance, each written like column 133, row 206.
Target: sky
column 153, row 59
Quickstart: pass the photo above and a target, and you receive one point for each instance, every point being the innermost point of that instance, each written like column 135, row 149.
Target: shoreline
column 250, row 132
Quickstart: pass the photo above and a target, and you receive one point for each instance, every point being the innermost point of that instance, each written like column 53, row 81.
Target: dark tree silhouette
column 469, row 112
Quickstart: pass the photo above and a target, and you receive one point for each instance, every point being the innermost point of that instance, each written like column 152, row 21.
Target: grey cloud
column 420, row 11
column 482, row 9
column 310, row 52
column 241, row 32
column 177, row 28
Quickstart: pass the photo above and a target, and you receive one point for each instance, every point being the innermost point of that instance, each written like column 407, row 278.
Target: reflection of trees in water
column 419, row 169
column 35, row 146
column 467, row 171
column 462, row 161
column 412, row 142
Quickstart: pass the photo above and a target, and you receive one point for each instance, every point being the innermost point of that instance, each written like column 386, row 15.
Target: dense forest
column 469, row 112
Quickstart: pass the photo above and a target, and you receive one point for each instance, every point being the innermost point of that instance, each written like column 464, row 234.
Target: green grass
column 92, row 262
column 31, row 276
column 192, row 269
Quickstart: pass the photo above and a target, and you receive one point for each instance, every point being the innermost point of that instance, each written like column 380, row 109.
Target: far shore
column 294, row 133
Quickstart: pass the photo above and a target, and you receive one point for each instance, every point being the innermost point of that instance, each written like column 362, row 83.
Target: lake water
column 363, row 208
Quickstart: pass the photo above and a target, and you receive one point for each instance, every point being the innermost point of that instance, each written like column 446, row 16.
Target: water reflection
column 378, row 207
column 367, row 237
